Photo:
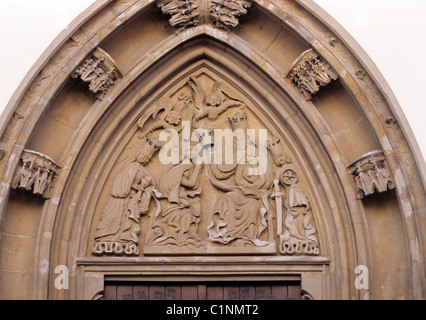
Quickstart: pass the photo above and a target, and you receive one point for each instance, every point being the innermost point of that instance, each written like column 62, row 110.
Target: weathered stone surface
column 319, row 209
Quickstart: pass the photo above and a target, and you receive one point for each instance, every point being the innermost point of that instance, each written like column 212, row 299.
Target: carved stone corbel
column 223, row 14
column 371, row 174
column 100, row 71
column 310, row 72
column 36, row 172
column 184, row 13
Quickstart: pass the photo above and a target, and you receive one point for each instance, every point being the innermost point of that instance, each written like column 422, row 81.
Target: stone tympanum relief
column 204, row 175
column 371, row 174
column 35, row 173
column 298, row 236
column 131, row 194
column 223, row 14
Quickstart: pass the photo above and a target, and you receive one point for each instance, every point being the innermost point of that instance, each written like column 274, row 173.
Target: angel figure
column 214, row 104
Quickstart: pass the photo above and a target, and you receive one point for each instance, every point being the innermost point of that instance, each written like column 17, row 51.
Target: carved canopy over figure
column 371, row 175
column 310, row 72
column 131, row 195
column 37, row 173
column 100, row 71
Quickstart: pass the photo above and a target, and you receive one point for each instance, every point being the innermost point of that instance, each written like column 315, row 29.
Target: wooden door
column 290, row 290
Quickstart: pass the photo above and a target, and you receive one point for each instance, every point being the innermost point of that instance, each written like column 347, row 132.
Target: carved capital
column 371, row 174
column 100, row 71
column 310, row 72
column 36, row 172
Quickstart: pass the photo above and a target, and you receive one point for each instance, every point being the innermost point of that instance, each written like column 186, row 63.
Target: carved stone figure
column 188, row 13
column 278, row 154
column 225, row 13
column 310, row 72
column 212, row 206
column 241, row 215
column 215, row 103
column 299, row 236
column 178, row 222
column 131, row 194
column 36, row 173
column 99, row 71
column 371, row 174
column 185, row 13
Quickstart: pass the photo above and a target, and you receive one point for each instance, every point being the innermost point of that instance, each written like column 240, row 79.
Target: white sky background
column 392, row 32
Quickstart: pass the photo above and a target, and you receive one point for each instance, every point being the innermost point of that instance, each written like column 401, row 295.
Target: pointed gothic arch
column 355, row 190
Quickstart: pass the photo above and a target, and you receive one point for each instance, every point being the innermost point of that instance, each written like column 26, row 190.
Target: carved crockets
column 371, row 174
column 310, row 72
column 223, row 14
column 205, row 180
column 100, row 71
column 36, row 172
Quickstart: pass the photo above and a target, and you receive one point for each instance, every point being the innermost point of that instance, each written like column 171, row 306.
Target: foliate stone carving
column 310, row 72
column 36, row 173
column 200, row 201
column 371, row 174
column 100, row 71
column 131, row 194
column 223, row 14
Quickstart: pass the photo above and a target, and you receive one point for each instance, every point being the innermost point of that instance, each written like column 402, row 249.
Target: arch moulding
column 325, row 188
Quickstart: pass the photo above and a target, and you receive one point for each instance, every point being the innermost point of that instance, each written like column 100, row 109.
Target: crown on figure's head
column 238, row 121
column 274, row 146
column 277, row 151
